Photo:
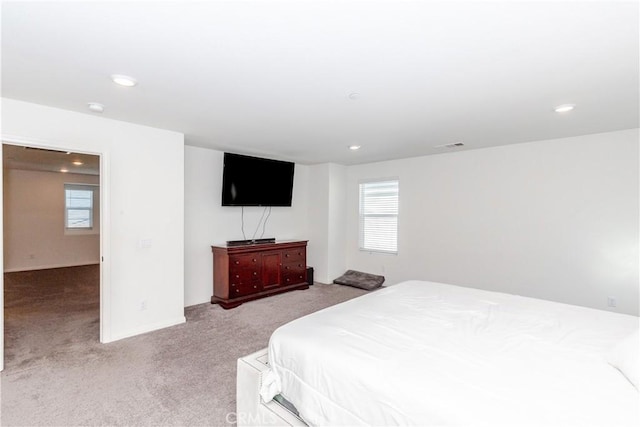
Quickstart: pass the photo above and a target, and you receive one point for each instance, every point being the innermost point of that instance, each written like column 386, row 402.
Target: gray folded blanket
column 360, row 280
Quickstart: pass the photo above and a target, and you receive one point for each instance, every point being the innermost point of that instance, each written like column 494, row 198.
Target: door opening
column 52, row 252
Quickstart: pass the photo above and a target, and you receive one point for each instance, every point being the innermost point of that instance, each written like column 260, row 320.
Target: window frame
column 80, row 187
column 362, row 216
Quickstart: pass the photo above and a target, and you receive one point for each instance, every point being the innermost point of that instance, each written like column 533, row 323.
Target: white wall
column 337, row 211
column 142, row 181
column 318, row 249
column 556, row 219
column 34, row 209
column 327, row 230
column 208, row 223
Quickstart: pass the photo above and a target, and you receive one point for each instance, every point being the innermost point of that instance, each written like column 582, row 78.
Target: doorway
column 51, row 253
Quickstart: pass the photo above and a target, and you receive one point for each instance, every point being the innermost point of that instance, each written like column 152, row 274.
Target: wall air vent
column 451, row 145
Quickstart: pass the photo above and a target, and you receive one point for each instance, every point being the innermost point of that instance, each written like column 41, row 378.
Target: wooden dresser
column 247, row 272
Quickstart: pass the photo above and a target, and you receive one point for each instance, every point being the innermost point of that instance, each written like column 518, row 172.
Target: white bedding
column 431, row 354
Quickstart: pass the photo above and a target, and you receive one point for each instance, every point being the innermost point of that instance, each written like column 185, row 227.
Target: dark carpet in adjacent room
column 58, row 374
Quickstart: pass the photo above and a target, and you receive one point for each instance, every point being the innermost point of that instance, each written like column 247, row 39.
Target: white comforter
column 431, row 354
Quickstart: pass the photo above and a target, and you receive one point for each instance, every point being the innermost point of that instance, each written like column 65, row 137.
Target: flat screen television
column 254, row 181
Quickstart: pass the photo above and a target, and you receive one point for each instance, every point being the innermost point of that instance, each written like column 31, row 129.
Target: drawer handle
column 237, row 276
column 237, row 290
column 288, row 280
column 254, row 260
column 255, row 286
column 286, row 268
column 286, row 255
column 300, row 277
column 255, row 273
column 237, row 262
column 233, row 285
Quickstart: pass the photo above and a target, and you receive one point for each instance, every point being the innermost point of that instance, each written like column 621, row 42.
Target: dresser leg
column 224, row 304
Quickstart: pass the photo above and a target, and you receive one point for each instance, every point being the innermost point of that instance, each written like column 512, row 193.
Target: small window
column 379, row 216
column 78, row 206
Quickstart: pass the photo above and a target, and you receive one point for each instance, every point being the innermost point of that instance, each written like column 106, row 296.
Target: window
column 379, row 216
column 78, row 206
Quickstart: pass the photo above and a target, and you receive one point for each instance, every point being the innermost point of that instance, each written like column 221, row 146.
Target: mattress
column 433, row 354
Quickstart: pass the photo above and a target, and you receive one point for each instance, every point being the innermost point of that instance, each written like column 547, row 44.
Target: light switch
column 145, row 243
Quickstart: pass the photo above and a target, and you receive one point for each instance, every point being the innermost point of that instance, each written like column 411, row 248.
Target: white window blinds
column 78, row 206
column 379, row 216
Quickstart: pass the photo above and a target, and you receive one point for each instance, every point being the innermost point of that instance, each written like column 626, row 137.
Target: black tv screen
column 254, row 181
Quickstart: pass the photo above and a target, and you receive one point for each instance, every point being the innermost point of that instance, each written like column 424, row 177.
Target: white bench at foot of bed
column 250, row 409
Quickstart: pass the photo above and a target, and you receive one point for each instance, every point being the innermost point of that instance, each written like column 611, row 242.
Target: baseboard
column 47, row 267
column 147, row 328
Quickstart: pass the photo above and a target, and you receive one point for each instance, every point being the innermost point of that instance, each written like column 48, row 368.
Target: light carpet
column 58, row 374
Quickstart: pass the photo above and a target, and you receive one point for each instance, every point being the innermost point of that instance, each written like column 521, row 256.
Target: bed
column 433, row 354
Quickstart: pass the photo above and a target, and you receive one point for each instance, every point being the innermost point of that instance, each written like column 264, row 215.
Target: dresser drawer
column 244, row 261
column 293, row 267
column 239, row 290
column 293, row 255
column 244, row 269
column 244, row 276
column 294, row 277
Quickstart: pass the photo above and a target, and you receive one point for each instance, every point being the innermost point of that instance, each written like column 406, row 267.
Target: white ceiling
column 273, row 78
column 29, row 158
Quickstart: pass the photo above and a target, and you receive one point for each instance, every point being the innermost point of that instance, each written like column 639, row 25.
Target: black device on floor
column 310, row 275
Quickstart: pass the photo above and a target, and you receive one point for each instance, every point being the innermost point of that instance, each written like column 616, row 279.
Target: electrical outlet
column 143, row 305
column 612, row 302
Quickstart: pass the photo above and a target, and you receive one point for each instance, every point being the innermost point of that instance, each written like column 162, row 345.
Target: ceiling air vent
column 46, row 150
column 451, row 145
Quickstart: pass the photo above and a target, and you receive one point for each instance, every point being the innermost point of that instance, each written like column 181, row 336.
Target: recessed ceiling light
column 354, row 147
column 564, row 108
column 64, row 170
column 78, row 163
column 123, row 80
column 96, row 107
